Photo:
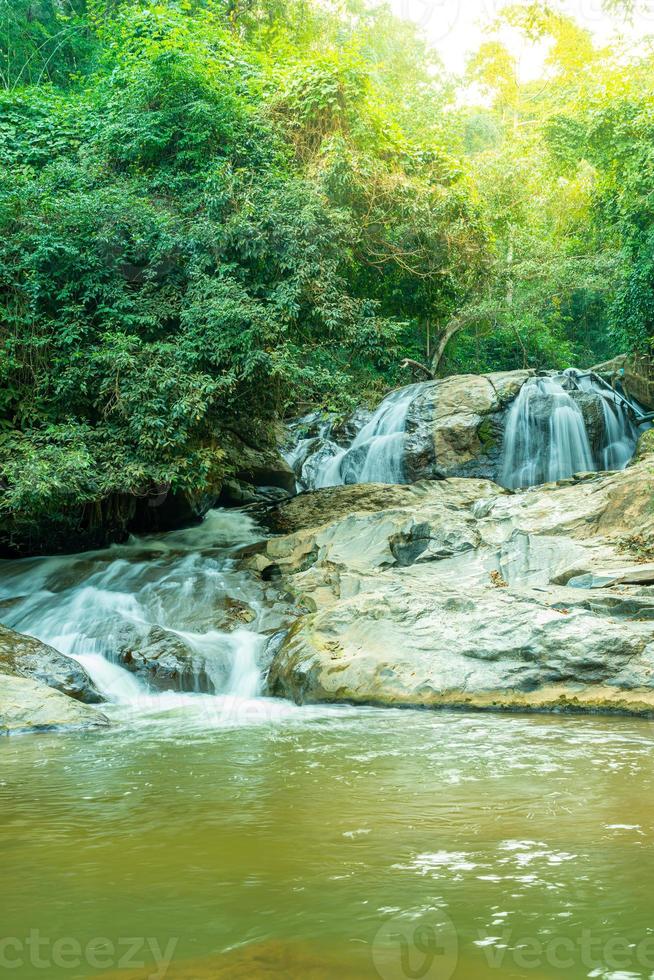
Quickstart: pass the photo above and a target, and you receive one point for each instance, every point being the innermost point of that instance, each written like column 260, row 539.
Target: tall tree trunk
column 450, row 330
column 509, row 269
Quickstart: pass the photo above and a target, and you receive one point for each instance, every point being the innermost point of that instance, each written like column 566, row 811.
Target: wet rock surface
column 29, row 706
column 455, row 426
column 26, row 656
column 183, row 661
column 457, row 593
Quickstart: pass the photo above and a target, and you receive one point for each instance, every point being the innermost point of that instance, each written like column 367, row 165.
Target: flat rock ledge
column 457, row 594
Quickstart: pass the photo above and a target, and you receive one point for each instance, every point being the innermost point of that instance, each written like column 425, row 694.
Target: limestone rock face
column 26, row 656
column 458, row 593
column 28, row 705
column 455, row 426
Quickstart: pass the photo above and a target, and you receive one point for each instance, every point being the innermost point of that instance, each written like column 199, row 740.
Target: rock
column 324, row 506
column 25, row 656
column 28, row 705
column 403, row 604
column 170, row 511
column 343, row 431
column 610, row 367
column 645, row 445
column 168, row 662
column 592, row 411
column 638, row 380
column 185, row 661
column 415, row 642
column 273, row 959
column 455, row 427
column 259, row 467
column 236, row 493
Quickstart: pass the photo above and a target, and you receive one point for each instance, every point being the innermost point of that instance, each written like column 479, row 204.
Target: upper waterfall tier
column 563, row 424
column 512, row 427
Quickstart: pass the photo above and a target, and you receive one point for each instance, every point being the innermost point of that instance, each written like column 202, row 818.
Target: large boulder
column 28, row 705
column 259, row 467
column 645, row 445
column 414, row 641
column 457, row 593
column 591, row 406
column 638, row 380
column 455, row 427
column 26, row 656
column 168, row 662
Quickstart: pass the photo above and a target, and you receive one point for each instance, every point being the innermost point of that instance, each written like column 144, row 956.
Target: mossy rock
column 487, row 435
column 645, row 445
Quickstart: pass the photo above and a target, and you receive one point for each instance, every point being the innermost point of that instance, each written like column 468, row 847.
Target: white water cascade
column 546, row 436
column 374, row 456
column 620, row 432
column 89, row 606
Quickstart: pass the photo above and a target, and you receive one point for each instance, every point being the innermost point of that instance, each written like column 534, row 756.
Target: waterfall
column 563, row 424
column 375, row 455
column 88, row 606
column 620, row 432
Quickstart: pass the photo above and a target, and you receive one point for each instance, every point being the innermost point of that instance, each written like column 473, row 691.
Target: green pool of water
column 328, row 843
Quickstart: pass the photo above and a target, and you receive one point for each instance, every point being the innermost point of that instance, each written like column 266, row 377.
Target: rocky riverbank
column 450, row 591
column 40, row 689
column 458, row 593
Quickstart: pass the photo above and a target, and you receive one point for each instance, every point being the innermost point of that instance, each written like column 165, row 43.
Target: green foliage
column 215, row 213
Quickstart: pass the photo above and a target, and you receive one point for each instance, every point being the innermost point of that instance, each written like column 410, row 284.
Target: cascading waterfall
column 558, row 425
column 620, row 432
column 90, row 606
column 374, row 456
column 546, row 436
column 84, row 606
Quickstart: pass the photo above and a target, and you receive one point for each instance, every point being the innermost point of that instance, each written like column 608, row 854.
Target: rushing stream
column 90, row 605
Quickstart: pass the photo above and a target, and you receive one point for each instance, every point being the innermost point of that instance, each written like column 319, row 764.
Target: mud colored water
column 329, row 843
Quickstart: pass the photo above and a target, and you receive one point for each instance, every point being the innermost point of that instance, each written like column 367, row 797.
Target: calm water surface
column 342, row 842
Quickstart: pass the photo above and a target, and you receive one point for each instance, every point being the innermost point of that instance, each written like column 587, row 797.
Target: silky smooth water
column 545, row 438
column 375, row 455
column 332, row 842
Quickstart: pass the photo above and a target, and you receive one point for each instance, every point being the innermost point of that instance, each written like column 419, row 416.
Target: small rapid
column 179, row 595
